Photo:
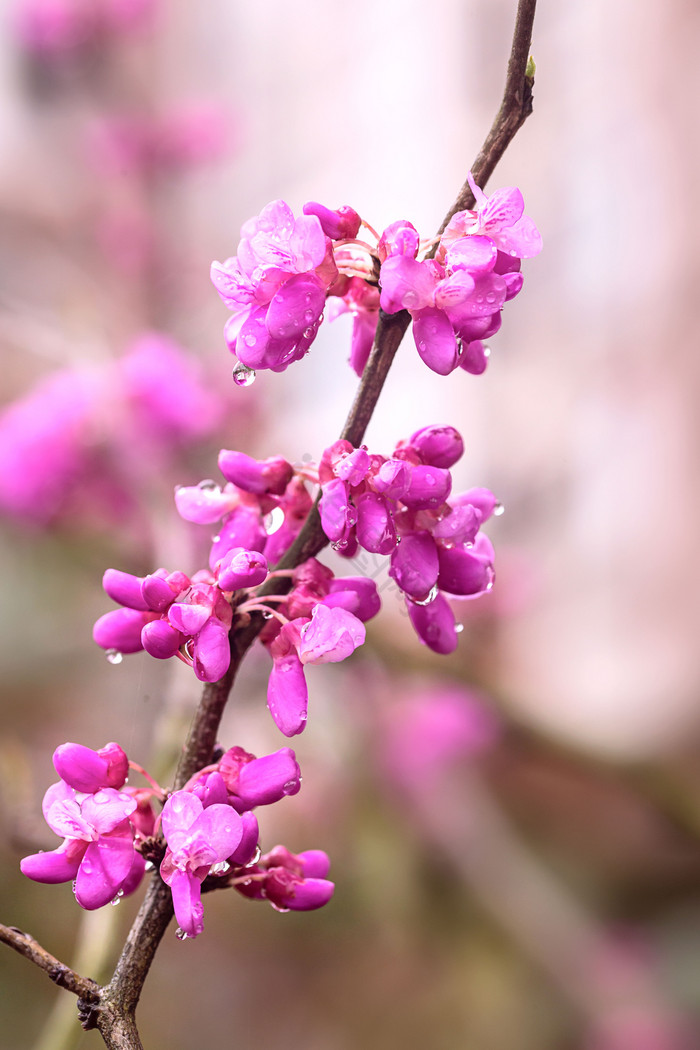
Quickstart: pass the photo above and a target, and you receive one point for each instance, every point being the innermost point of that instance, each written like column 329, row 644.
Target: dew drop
column 277, row 907
column 216, row 539
column 114, row 656
column 180, row 934
column 339, row 545
column 208, row 485
column 251, row 863
column 74, row 884
column 487, row 351
column 459, row 627
column 308, row 316
column 149, row 865
column 267, row 614
column 274, row 520
column 428, row 598
column 220, row 869
column 243, row 376
column 116, row 900
column 498, row 510
column 307, row 333
column 250, row 339
column 290, row 786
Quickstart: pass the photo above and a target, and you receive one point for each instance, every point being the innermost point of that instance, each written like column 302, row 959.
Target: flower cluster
column 73, row 447
column 100, row 821
column 261, row 509
column 286, row 269
column 455, row 300
column 401, row 506
column 209, row 830
column 276, row 287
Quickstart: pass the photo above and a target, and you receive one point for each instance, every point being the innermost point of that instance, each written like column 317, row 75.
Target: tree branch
column 114, row 1014
column 60, row 974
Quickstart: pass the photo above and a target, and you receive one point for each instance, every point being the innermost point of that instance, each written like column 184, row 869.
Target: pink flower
column 276, row 287
column 289, row 881
column 98, row 851
column 198, row 839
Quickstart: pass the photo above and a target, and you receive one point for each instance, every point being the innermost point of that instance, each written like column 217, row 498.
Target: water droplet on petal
column 208, row 485
column 251, row 863
column 221, row 868
column 243, row 376
column 498, row 510
column 429, row 597
column 274, row 520
column 114, row 656
column 290, row 786
column 250, row 339
column 339, row 545
column 115, row 900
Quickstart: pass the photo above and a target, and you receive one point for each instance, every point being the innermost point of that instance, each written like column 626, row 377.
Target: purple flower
column 98, row 851
column 331, row 635
column 289, row 881
column 255, row 781
column 86, row 770
column 276, row 287
column 198, row 839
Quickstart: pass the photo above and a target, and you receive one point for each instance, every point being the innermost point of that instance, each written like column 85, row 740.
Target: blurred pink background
column 538, row 891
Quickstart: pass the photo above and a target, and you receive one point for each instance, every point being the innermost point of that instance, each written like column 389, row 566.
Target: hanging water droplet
column 459, row 627
column 216, row 539
column 251, row 863
column 181, row 935
column 428, row 598
column 220, row 869
column 277, row 907
column 274, row 520
column 243, row 376
column 115, row 900
column 74, row 884
column 208, row 485
column 149, row 866
column 114, row 656
column 290, row 786
column 486, row 351
column 339, row 545
column 267, row 614
column 498, row 510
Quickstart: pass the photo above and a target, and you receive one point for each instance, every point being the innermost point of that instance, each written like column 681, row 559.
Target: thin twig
column 60, row 974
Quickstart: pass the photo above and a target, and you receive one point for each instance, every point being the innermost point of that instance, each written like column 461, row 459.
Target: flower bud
column 438, row 446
